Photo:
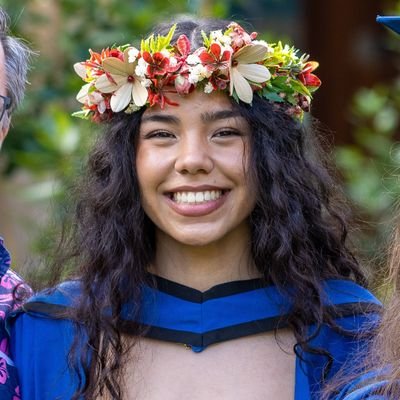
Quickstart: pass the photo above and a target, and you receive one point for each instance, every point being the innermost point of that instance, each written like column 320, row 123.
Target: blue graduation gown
column 181, row 314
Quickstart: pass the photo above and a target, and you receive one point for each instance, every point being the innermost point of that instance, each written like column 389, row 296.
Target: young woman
column 209, row 239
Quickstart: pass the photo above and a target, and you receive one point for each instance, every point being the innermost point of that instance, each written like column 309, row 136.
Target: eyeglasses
column 5, row 104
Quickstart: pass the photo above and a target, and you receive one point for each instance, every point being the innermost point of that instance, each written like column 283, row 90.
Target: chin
column 196, row 240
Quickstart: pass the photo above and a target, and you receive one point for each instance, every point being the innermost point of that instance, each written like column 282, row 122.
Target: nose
column 193, row 156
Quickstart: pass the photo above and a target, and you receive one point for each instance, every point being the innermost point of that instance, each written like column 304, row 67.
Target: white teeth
column 199, row 197
column 196, row 197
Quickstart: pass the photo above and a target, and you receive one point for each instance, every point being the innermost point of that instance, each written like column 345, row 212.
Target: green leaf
column 273, row 96
column 299, row 87
column 206, row 39
column 83, row 114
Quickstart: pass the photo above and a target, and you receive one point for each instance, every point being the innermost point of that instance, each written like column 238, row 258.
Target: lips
column 196, row 201
column 185, row 197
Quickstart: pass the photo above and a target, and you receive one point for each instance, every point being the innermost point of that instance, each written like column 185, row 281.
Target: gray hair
column 17, row 56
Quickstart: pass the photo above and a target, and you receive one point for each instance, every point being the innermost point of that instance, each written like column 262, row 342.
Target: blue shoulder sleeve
column 40, row 346
column 356, row 315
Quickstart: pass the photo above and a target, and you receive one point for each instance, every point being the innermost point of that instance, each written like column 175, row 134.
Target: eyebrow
column 166, row 118
column 206, row 117
column 218, row 115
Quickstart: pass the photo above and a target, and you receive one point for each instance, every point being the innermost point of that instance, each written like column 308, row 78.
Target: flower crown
column 123, row 78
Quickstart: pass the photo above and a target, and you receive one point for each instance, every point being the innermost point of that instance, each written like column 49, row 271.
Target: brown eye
column 160, row 135
column 227, row 133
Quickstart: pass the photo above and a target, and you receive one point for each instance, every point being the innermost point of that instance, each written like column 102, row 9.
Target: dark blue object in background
column 391, row 22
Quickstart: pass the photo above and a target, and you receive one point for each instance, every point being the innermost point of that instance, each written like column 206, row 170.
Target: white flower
column 91, row 97
column 120, row 80
column 244, row 69
column 192, row 59
column 147, row 82
column 218, row 36
column 82, row 95
column 132, row 54
column 131, row 108
column 80, row 69
column 141, row 68
column 209, row 88
column 263, row 43
column 165, row 53
column 198, row 73
column 215, row 35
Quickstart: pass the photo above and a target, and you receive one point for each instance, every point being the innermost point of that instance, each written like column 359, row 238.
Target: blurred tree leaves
column 371, row 166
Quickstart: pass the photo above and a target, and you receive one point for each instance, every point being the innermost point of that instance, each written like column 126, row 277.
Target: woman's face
column 191, row 165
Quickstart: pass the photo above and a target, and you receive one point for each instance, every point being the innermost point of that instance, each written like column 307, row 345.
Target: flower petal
column 82, row 95
column 313, row 80
column 139, row 93
column 309, row 67
column 106, row 86
column 80, row 69
column 254, row 72
column 215, row 49
column 115, row 66
column 206, row 58
column 121, row 98
column 183, row 45
column 251, row 53
column 241, row 86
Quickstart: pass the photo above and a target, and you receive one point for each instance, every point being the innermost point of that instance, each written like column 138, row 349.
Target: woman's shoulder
column 351, row 304
column 342, row 291
column 53, row 302
column 62, row 296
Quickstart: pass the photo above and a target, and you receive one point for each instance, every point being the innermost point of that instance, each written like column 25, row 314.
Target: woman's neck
column 202, row 267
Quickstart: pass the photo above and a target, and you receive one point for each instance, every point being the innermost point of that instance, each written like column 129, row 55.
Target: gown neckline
column 191, row 294
column 173, row 312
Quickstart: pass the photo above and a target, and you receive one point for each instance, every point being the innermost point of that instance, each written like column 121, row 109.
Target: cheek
column 150, row 169
column 144, row 170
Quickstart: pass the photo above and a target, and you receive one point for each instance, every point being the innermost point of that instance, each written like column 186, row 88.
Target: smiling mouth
column 197, row 197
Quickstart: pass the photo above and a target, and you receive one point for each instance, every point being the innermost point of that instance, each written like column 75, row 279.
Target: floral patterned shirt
column 13, row 291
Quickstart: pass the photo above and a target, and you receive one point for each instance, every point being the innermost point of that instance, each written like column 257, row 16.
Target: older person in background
column 14, row 58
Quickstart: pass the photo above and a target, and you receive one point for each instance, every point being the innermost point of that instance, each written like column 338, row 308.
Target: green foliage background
column 371, row 165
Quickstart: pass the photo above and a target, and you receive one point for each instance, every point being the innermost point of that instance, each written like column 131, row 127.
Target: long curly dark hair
column 298, row 229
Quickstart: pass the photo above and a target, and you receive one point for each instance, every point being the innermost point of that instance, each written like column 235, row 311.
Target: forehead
column 3, row 77
column 196, row 105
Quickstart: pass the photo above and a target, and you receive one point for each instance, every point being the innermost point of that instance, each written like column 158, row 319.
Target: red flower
column 182, row 48
column 157, row 92
column 307, row 78
column 183, row 45
column 158, row 63
column 215, row 58
column 219, row 81
column 96, row 59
